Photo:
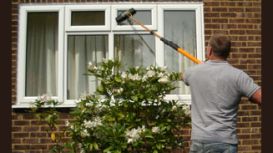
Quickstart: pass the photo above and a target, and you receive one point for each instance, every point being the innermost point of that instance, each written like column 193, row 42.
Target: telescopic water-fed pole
column 129, row 15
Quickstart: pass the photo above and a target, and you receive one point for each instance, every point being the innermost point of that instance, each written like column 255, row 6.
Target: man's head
column 218, row 47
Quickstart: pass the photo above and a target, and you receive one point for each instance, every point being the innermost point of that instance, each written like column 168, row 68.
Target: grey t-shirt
column 216, row 89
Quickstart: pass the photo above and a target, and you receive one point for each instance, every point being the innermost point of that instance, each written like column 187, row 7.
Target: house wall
column 240, row 19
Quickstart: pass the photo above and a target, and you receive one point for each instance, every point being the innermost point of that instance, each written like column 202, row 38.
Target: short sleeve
column 246, row 85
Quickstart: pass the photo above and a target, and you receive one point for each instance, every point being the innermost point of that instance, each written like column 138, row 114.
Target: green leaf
column 155, row 151
column 107, row 150
column 96, row 146
column 118, row 79
column 149, row 136
column 159, row 146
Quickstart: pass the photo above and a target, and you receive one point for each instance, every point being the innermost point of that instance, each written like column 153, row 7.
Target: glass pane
column 82, row 50
column 41, row 54
column 135, row 50
column 179, row 26
column 87, row 18
column 144, row 16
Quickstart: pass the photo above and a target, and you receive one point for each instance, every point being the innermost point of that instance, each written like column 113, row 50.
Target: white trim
column 110, row 28
column 159, row 43
column 72, row 101
column 116, row 27
column 198, row 8
column 111, row 47
column 199, row 20
column 200, row 36
column 21, row 58
column 182, row 98
column 71, row 8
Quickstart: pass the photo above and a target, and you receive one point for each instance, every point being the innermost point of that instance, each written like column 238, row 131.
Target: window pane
column 179, row 26
column 135, row 50
column 41, row 54
column 83, row 49
column 87, row 18
column 144, row 16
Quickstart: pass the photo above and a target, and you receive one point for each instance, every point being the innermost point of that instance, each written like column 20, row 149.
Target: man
column 216, row 90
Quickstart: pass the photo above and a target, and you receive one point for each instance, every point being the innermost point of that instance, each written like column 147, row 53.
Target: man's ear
column 210, row 51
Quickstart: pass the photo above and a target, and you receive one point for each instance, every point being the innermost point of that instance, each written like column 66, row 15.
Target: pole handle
column 192, row 58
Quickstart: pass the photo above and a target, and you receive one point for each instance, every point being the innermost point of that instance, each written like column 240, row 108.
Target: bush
column 128, row 112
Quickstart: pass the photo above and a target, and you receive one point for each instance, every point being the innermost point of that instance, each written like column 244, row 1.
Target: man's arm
column 257, row 97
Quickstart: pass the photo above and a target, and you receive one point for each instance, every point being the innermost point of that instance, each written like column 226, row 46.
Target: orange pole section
column 182, row 51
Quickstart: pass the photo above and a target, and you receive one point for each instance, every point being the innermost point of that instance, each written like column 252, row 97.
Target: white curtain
column 41, row 54
column 135, row 50
column 82, row 50
column 179, row 26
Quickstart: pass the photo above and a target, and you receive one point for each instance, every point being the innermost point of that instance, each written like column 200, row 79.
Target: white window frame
column 71, row 102
column 198, row 8
column 117, row 27
column 22, row 100
column 110, row 9
column 70, row 8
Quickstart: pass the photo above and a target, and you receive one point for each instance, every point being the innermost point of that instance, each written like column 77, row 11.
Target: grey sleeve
column 246, row 85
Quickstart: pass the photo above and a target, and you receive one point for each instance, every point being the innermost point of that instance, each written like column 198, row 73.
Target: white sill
column 185, row 99
column 17, row 106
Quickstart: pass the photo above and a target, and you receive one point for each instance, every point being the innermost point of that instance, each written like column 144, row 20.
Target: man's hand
column 257, row 97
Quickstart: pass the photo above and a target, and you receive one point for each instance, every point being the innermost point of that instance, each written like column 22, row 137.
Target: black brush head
column 125, row 15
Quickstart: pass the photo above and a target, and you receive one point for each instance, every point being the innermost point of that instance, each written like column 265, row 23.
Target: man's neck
column 216, row 58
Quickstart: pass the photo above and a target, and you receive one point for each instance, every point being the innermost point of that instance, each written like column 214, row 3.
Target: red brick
column 219, row 9
column 31, row 129
column 211, row 3
column 30, row 141
column 255, row 112
column 238, row 55
column 21, row 122
column 256, row 147
column 21, row 147
column 20, row 135
column 228, row 3
column 212, row 15
column 221, row 20
column 38, row 146
column 255, row 136
column 244, row 136
column 228, row 14
column 238, row 32
column 249, row 119
column 250, row 142
column 14, row 141
column 16, row 128
column 239, row 19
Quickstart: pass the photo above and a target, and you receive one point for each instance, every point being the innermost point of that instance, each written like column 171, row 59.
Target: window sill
column 184, row 99
column 23, row 106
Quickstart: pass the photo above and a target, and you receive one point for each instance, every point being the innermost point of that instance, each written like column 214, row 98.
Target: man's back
column 216, row 89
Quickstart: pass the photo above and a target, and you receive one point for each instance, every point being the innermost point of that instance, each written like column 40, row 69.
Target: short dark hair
column 220, row 45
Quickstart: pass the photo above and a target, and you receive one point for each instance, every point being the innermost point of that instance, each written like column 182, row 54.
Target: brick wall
column 240, row 19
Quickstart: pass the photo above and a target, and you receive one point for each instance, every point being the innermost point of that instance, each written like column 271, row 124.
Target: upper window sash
column 69, row 9
column 198, row 8
column 21, row 57
column 116, row 8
